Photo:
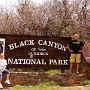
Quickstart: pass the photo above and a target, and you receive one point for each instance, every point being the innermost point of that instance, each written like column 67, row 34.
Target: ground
column 54, row 88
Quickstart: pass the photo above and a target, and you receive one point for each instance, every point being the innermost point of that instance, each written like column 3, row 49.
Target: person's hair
column 2, row 55
column 76, row 35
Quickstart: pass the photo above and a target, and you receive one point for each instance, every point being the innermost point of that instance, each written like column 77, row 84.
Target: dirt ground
column 81, row 87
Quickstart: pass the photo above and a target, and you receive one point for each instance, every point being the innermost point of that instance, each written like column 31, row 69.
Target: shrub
column 86, row 82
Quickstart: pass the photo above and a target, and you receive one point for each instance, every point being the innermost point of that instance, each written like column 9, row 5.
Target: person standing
column 3, row 64
column 75, row 46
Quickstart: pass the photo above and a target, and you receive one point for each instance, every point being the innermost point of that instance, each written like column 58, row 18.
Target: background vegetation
column 53, row 17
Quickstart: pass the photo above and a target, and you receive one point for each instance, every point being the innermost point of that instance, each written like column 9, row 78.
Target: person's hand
column 1, row 70
column 80, row 51
column 71, row 50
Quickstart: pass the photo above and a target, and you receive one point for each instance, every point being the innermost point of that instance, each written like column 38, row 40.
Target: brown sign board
column 86, row 52
column 25, row 51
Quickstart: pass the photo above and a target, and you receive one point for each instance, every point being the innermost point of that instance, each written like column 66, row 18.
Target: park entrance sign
column 24, row 51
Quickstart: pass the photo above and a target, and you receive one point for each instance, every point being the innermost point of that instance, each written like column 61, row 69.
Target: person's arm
column 4, row 65
column 82, row 46
column 3, row 68
column 69, row 48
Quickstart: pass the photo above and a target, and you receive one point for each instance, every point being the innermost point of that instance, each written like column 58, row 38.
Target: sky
column 11, row 2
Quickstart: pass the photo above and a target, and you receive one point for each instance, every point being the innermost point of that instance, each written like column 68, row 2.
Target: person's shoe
column 69, row 72
column 1, row 87
column 7, row 81
column 77, row 73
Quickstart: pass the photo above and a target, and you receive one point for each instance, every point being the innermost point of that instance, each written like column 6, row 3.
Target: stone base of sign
column 87, row 72
column 35, row 78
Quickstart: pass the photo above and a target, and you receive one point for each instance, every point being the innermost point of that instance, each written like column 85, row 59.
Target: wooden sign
column 23, row 51
column 86, row 52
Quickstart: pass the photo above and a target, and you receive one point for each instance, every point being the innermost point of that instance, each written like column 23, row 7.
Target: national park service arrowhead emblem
column 86, row 52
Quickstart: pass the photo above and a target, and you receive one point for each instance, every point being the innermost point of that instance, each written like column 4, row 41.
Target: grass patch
column 35, row 70
column 44, row 86
column 18, row 87
column 53, row 71
column 45, row 83
column 86, row 82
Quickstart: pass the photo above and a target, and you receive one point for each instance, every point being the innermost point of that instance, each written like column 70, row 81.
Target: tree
column 53, row 18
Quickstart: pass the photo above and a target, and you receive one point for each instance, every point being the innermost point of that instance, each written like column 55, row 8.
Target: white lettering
column 16, row 46
column 38, row 62
column 15, row 61
column 11, row 46
column 26, row 42
column 31, row 42
column 53, row 62
column 33, row 61
column 58, row 62
column 21, row 44
column 33, row 49
column 60, row 46
column 10, row 61
column 26, row 61
column 45, row 43
column 20, row 61
column 40, row 42
column 65, row 62
column 50, row 44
